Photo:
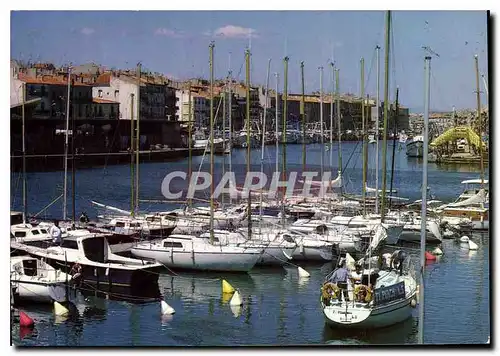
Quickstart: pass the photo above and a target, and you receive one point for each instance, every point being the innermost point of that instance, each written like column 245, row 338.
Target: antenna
column 430, row 51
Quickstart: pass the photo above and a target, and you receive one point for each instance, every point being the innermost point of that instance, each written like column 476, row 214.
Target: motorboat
column 91, row 258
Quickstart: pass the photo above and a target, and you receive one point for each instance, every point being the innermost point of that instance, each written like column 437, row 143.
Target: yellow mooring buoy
column 226, row 287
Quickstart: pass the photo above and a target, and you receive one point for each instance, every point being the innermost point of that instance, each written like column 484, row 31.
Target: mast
column 247, row 113
column 264, row 135
column 285, row 113
column 137, row 139
column 486, row 90
column 339, row 124
column 480, row 121
column 277, row 106
column 377, row 124
column 396, row 117
column 23, row 128
column 363, row 127
column 132, row 196
column 321, row 121
column 230, row 122
column 73, row 173
column 66, row 146
column 423, row 226
column 211, row 59
column 331, row 116
column 386, row 105
column 223, row 136
column 303, row 116
column 190, row 123
column 249, row 205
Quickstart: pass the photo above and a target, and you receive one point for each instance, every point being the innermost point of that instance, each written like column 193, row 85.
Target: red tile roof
column 103, row 101
column 48, row 80
column 104, row 79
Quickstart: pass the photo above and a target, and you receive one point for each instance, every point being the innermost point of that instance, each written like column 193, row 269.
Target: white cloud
column 230, row 31
column 87, row 31
column 162, row 31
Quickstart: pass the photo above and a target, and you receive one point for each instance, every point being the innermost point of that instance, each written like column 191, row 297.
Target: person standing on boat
column 340, row 277
column 56, row 233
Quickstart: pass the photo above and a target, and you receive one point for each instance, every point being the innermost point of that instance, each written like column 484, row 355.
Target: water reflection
column 398, row 334
column 236, row 310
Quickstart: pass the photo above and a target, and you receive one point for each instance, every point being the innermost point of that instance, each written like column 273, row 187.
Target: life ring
column 329, row 290
column 363, row 293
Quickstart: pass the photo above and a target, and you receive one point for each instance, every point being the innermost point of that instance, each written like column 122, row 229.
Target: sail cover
column 480, row 197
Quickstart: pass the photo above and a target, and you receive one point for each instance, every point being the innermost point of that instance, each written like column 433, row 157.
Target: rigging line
column 53, row 202
column 208, row 142
column 372, row 64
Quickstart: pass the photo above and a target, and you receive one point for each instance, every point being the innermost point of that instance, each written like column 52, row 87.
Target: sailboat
column 386, row 293
column 197, row 252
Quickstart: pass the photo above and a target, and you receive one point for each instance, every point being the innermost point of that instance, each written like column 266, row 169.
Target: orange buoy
column 25, row 320
column 429, row 256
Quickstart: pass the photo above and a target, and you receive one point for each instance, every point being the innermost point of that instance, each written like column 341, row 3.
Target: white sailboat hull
column 385, row 315
column 40, row 292
column 201, row 261
column 276, row 256
column 322, row 254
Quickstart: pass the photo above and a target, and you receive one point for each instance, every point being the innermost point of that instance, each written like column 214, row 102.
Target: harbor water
column 278, row 307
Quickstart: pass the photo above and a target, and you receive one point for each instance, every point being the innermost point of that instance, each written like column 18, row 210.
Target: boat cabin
column 16, row 218
column 93, row 247
column 472, row 188
column 29, row 235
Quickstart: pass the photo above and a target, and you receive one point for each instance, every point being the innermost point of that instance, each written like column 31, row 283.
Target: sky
column 176, row 43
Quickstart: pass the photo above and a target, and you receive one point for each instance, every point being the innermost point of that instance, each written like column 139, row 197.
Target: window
column 120, row 224
column 69, row 244
column 43, row 231
column 100, row 93
column 134, row 225
column 20, row 234
column 100, row 110
column 35, row 232
column 172, row 244
column 44, row 92
column 116, row 93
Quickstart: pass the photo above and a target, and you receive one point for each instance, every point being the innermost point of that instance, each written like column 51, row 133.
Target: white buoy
column 437, row 251
column 303, row 273
column 464, row 239
column 472, row 245
column 413, row 303
column 60, row 310
column 236, row 310
column 166, row 309
column 236, row 300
